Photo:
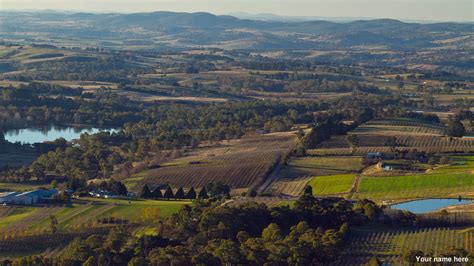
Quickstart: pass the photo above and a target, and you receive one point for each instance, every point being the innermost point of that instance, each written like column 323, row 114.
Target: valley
column 172, row 138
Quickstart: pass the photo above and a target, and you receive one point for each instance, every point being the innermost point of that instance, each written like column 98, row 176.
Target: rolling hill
column 189, row 29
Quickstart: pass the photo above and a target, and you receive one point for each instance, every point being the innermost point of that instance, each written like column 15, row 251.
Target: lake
column 39, row 135
column 429, row 205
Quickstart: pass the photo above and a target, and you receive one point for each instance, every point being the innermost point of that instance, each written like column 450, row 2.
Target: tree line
column 214, row 190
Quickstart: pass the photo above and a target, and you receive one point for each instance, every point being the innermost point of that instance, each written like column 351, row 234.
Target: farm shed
column 7, row 197
column 27, row 198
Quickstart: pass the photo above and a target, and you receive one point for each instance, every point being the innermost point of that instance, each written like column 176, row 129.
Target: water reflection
column 38, row 135
column 429, row 205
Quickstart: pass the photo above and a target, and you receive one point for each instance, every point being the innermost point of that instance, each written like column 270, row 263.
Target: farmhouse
column 27, row 198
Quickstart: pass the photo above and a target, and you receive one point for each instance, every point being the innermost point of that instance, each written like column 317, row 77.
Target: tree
column 366, row 115
column 401, row 85
column 374, row 261
column 118, row 188
column 300, row 150
column 353, row 142
column 146, row 194
column 168, row 193
column 242, row 236
column 217, row 190
column 228, row 252
column 53, row 224
column 308, row 190
column 76, row 252
column 254, row 250
column 370, row 211
column 137, row 261
column 38, row 170
column 156, row 194
column 392, row 142
column 94, row 241
column 115, row 239
column 191, row 194
column 179, row 193
column 271, row 233
column 444, row 160
column 203, row 194
column 455, row 128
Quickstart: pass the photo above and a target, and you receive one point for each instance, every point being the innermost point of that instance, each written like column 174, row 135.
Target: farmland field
column 81, row 213
column 448, row 181
column 223, row 124
column 269, row 201
column 410, row 134
column 331, row 185
column 321, row 166
column 391, row 244
column 238, row 165
column 294, row 176
column 290, row 187
column 401, row 126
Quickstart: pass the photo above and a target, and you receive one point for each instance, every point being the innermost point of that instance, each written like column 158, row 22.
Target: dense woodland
column 157, row 128
column 150, row 129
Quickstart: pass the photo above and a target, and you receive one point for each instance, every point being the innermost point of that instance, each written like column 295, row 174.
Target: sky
column 428, row 10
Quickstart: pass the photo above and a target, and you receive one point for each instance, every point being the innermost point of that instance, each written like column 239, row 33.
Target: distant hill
column 228, row 32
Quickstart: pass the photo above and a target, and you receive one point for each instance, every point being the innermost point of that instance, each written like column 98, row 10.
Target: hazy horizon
column 439, row 10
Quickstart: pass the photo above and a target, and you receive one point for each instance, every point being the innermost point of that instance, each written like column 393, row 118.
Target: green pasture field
column 89, row 210
column 134, row 209
column 446, row 181
column 17, row 215
column 331, row 185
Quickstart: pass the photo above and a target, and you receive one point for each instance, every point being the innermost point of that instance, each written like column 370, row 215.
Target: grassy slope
column 16, row 216
column 69, row 215
column 135, row 208
column 330, row 185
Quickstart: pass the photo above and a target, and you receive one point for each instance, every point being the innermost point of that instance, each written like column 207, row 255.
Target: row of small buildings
column 28, row 197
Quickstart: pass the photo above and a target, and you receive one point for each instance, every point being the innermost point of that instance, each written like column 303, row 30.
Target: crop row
column 41, row 242
column 6, row 211
column 37, row 221
column 240, row 167
column 404, row 126
column 291, row 187
column 436, row 240
column 441, row 144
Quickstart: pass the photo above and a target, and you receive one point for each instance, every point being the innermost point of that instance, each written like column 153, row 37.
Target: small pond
column 39, row 135
column 429, row 205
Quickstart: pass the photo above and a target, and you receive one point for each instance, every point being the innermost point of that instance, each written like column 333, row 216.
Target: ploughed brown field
column 240, row 164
